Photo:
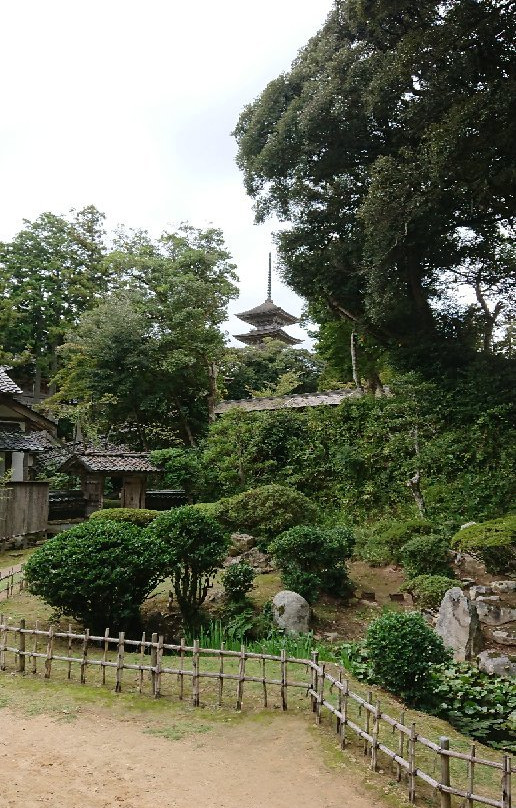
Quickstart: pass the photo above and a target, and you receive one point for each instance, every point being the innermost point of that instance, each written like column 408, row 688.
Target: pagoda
column 268, row 321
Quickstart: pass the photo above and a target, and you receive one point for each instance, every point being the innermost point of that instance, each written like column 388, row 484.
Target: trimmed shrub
column 266, row 511
column 429, row 590
column 99, row 573
column 426, row 555
column 111, row 503
column 313, row 560
column 399, row 533
column 237, row 581
column 402, row 647
column 494, row 542
column 134, row 516
column 195, row 545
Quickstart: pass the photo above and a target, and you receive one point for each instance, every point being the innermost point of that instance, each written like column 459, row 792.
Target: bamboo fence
column 12, row 582
column 153, row 659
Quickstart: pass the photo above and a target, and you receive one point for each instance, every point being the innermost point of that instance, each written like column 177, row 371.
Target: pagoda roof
column 265, row 311
column 267, row 331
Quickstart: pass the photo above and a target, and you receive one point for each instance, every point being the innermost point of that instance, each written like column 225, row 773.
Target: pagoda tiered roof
column 265, row 312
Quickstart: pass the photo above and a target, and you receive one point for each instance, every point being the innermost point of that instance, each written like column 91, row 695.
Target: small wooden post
column 84, row 660
column 344, row 722
column 181, row 665
column 444, row 743
column 471, row 775
column 339, row 703
column 320, row 695
column 376, row 732
column 264, row 683
column 3, row 642
column 69, row 676
column 21, row 647
column 221, row 671
column 283, row 679
column 241, row 678
column 105, row 655
column 368, row 721
column 120, row 661
column 412, row 764
column 35, row 648
column 159, row 658
column 401, row 747
column 506, row 782
column 139, row 678
column 195, row 677
column 314, row 682
column 50, row 652
column 153, row 661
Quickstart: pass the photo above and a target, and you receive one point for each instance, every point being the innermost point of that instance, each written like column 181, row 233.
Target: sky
column 129, row 106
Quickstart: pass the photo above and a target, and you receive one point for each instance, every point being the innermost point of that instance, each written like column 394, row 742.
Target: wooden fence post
column 195, row 677
column 120, row 661
column 264, row 683
column 35, row 648
column 283, row 679
column 241, row 678
column 50, row 652
column 506, row 782
column 471, row 775
column 139, row 678
column 376, row 731
column 180, row 676
column 368, row 721
column 69, row 676
column 400, row 747
column 339, row 703
column 105, row 655
column 84, row 660
column 153, row 661
column 159, row 658
column 344, row 722
column 444, row 743
column 314, row 677
column 3, row 642
column 21, row 647
column 412, row 764
column 320, row 695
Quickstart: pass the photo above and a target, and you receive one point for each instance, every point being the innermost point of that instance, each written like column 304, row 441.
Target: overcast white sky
column 129, row 106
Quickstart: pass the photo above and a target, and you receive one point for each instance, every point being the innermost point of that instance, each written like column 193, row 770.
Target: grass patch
column 177, row 732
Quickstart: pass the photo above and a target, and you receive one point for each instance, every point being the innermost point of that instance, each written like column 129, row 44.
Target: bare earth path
column 100, row 762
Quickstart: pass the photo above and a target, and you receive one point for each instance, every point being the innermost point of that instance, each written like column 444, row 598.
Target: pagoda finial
column 269, row 284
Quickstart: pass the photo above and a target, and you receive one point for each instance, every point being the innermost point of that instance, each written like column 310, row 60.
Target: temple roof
column 267, row 311
column 258, row 335
column 16, row 441
column 330, row 398
column 7, row 385
column 111, row 462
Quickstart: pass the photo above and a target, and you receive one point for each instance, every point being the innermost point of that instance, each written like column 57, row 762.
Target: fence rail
column 12, row 582
column 319, row 685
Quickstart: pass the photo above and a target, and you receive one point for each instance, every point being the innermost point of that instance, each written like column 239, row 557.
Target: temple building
column 268, row 320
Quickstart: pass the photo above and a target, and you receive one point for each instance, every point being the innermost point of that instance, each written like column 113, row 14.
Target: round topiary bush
column 493, row 541
column 237, row 581
column 429, row 590
column 194, row 547
column 313, row 560
column 402, row 647
column 399, row 533
column 134, row 516
column 425, row 555
column 99, row 573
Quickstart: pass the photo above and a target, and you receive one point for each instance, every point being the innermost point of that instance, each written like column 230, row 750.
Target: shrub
column 99, row 572
column 134, row 516
column 399, row 533
column 195, row 546
column 266, row 511
column 313, row 559
column 111, row 503
column 238, row 581
column 429, row 590
column 402, row 647
column 493, row 541
column 426, row 555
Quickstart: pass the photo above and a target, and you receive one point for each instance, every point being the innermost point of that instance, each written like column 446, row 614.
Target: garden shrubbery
column 425, row 555
column 313, row 560
column 493, row 541
column 134, row 516
column 99, row 572
column 429, row 590
column 237, row 581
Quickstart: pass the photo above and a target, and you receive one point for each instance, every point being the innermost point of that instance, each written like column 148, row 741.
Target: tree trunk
column 415, row 488
column 212, row 395
column 354, row 365
column 37, row 385
column 184, row 421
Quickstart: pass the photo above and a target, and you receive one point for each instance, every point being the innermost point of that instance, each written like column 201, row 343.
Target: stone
column 505, row 637
column 487, row 599
column 458, row 625
column 496, row 664
column 476, row 591
column 467, row 524
column 243, row 541
column 503, row 587
column 493, row 615
column 291, row 612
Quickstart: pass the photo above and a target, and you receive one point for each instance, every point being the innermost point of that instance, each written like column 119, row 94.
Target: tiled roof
column 7, row 385
column 265, row 310
column 11, row 441
column 111, row 462
column 271, row 331
column 329, row 398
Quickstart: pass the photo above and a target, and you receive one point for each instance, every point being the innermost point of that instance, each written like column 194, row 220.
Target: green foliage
column 429, row 590
column 134, row 516
column 402, row 647
column 425, row 555
column 477, row 704
column 195, row 546
column 108, row 504
column 237, row 581
column 266, row 511
column 355, row 658
column 400, row 533
column 99, row 572
column 494, row 541
column 182, row 470
column 313, row 559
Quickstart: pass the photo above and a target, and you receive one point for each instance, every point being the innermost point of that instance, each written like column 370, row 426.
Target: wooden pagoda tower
column 268, row 321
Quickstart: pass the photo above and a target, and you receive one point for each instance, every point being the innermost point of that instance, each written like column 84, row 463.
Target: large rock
column 479, row 591
column 458, row 625
column 505, row 637
column 498, row 664
column 291, row 612
column 504, row 587
column 493, row 615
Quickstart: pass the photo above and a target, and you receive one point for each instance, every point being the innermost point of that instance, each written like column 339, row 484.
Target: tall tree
column 390, row 138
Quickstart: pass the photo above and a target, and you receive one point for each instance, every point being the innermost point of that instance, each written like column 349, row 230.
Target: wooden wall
column 23, row 508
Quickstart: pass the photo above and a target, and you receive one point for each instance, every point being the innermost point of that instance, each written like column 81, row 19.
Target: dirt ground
column 101, row 762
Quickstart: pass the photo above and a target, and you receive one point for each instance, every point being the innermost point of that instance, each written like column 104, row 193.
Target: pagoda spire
column 269, row 283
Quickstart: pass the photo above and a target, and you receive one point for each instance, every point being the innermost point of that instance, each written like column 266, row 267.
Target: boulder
column 493, row 615
column 458, row 625
column 479, row 591
column 505, row 637
column 498, row 664
column 488, row 599
column 503, row 587
column 291, row 612
column 243, row 541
